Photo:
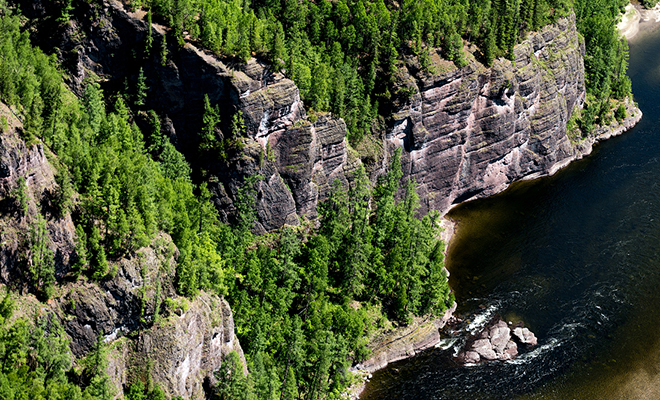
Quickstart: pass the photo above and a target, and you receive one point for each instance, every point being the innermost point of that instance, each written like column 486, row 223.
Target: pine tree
column 41, row 263
column 149, row 41
column 141, row 89
column 81, row 250
column 210, row 119
column 98, row 261
column 237, row 125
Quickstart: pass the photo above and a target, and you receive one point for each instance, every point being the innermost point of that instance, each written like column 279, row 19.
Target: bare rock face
column 405, row 342
column 124, row 303
column 524, row 336
column 186, row 349
column 470, row 132
column 310, row 156
column 183, row 341
column 466, row 133
column 29, row 163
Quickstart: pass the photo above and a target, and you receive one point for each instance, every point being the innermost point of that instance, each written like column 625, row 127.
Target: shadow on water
column 576, row 256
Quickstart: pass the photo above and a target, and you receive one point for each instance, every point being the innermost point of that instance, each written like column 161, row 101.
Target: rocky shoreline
column 497, row 340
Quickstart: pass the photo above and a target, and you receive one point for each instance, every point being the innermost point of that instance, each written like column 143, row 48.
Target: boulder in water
column 497, row 341
column 524, row 336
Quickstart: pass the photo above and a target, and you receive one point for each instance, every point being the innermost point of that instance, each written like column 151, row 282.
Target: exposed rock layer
column 28, row 161
column 470, row 132
column 405, row 342
column 185, row 342
column 466, row 133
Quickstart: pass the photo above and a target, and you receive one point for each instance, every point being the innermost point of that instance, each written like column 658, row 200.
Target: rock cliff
column 135, row 309
column 470, row 132
column 25, row 169
column 466, row 133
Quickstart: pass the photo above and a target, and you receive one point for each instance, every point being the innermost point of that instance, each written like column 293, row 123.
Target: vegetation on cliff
column 344, row 55
column 305, row 299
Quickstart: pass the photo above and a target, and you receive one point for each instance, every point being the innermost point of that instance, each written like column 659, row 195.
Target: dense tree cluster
column 129, row 187
column 305, row 305
column 605, row 61
column 36, row 363
column 305, row 300
column 649, row 3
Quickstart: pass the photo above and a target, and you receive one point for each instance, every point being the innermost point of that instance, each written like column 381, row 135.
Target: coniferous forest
column 305, row 299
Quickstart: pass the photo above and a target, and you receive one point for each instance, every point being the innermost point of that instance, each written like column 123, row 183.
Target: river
column 576, row 256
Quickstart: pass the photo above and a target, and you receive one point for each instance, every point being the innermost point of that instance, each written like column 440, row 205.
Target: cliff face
column 470, row 132
column 135, row 309
column 20, row 160
column 466, row 133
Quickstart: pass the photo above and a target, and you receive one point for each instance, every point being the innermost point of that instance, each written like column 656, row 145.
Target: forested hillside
column 306, row 298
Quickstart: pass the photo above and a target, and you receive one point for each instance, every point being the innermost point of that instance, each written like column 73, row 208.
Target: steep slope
column 27, row 191
column 470, row 132
column 135, row 309
column 466, row 132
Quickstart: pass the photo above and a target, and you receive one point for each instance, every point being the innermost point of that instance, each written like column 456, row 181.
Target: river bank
column 633, row 16
column 575, row 256
column 424, row 333
column 406, row 342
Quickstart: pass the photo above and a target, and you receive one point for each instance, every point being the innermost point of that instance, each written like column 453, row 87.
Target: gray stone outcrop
column 466, row 133
column 20, row 160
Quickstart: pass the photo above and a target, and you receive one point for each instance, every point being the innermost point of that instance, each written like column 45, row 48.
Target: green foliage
column 98, row 261
column 178, row 306
column 210, row 120
column 40, row 260
column 35, row 358
column 649, row 3
column 94, row 371
column 64, row 193
column 141, row 89
column 606, row 55
column 305, row 301
column 66, row 12
column 620, row 113
column 20, row 196
column 138, row 391
column 155, row 138
column 237, row 125
column 305, row 304
column 344, row 55
column 232, row 382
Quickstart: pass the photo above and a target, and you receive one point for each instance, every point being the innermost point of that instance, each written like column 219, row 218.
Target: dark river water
column 576, row 257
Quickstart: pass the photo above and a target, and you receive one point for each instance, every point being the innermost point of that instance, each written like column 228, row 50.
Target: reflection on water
column 576, row 257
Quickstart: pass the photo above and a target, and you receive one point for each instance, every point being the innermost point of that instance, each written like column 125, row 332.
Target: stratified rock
column 404, row 342
column 465, row 133
column 29, row 162
column 124, row 303
column 183, row 343
column 186, row 349
column 470, row 132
